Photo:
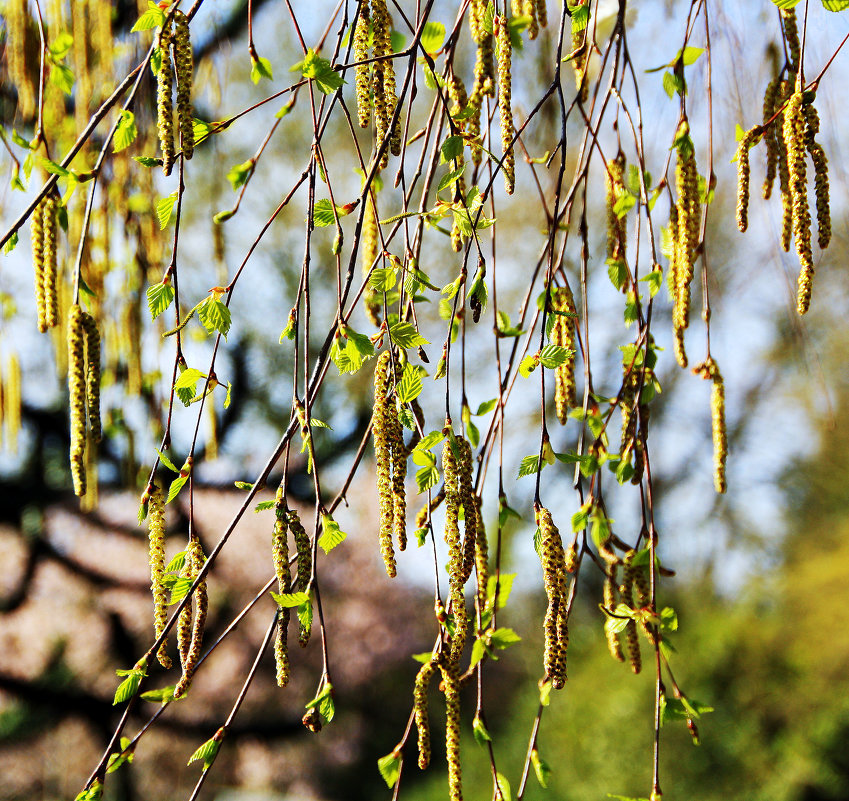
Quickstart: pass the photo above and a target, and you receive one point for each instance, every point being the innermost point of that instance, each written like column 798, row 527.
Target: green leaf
column 835, row 5
column 433, row 35
column 410, row 385
column 288, row 600
column 126, row 132
column 147, row 161
column 152, row 18
column 120, row 757
column 176, row 563
column 624, row 204
column 186, row 385
column 263, row 506
column 239, row 173
column 159, row 298
column 214, row 315
column 505, row 587
column 164, row 209
column 450, row 178
column 179, row 586
column 672, row 84
column 203, row 130
column 529, row 465
column 382, row 279
column 331, row 535
column 502, row 791
column 318, row 69
column 390, row 768
column 479, row 649
column 206, row 753
column 552, row 356
column 54, row 168
column 323, row 213
column 10, row 244
column 504, row 327
column 61, row 45
column 260, row 68
column 167, row 462
column 404, row 335
column 541, row 768
column 452, row 148
column 305, row 614
column 429, row 440
column 176, row 486
column 162, row 695
column 129, row 687
column 481, row 734
column 654, row 279
column 504, row 638
column 62, row 78
column 528, row 365
column 580, row 519
column 426, row 478
column 618, row 272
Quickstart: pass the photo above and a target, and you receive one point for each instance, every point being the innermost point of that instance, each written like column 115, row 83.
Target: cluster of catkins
column 391, row 457
column 684, row 225
column 465, row 554
column 375, row 81
column 554, row 570
column 563, row 334
column 84, row 390
column 710, row 371
column 175, row 35
column 633, row 594
column 288, row 520
column 789, row 129
column 43, row 225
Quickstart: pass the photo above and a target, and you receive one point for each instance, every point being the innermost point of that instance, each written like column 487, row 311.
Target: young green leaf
column 480, row 731
column 288, row 600
column 214, row 315
column 126, row 132
column 410, row 385
column 164, row 209
column 159, row 297
column 331, row 535
column 390, row 768
column 260, row 68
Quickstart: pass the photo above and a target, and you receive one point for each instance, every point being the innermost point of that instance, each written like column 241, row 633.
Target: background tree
column 411, row 149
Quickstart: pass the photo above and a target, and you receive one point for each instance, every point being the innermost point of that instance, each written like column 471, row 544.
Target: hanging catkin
column 553, row 560
column 563, row 334
column 280, row 557
column 818, row 157
column 50, row 269
column 37, row 243
column 303, row 547
column 92, row 375
column 164, row 92
column 451, row 684
column 382, row 430
column 467, row 501
column 616, row 231
column 77, row 393
column 420, row 688
column 362, row 72
column 709, row 370
column 743, row 176
column 197, row 557
column 505, row 52
column 156, row 537
column 184, row 67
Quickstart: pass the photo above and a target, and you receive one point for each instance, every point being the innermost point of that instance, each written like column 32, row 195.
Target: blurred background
column 759, row 579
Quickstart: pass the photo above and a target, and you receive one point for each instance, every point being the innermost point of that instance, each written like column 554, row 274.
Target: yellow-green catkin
column 481, row 557
column 770, row 139
column 18, row 27
column 382, row 435
column 184, row 67
column 743, row 176
column 383, row 77
column 616, row 230
column 794, row 140
column 553, row 560
column 689, row 219
column 77, row 393
column 92, row 376
column 453, row 501
column 280, row 557
column 37, row 243
column 399, row 474
column 420, row 688
column 627, row 401
column 784, row 90
column 632, row 639
column 10, row 403
column 370, row 251
column 459, row 99
column 164, row 108
column 580, row 49
column 791, row 36
column 156, row 538
column 50, row 269
column 709, row 370
column 201, row 602
column 505, row 55
column 818, row 157
column 303, row 547
column 611, row 623
column 451, row 684
column 184, row 621
column 362, row 72
column 467, row 501
column 563, row 334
